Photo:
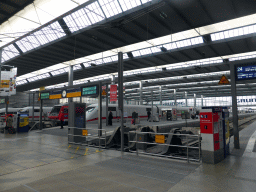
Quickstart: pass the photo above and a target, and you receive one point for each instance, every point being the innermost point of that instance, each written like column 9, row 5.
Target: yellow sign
column 74, row 94
column 160, row 139
column 224, row 80
column 85, row 133
column 41, row 88
column 103, row 93
column 5, row 83
column 55, row 96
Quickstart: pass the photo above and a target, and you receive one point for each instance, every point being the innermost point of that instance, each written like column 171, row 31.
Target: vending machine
column 211, row 127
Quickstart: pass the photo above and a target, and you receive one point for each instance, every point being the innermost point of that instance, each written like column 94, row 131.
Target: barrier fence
column 88, row 135
column 188, row 145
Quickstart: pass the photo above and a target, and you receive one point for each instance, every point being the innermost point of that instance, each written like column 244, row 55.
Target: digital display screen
column 246, row 72
column 45, row 96
column 90, row 90
column 2, row 100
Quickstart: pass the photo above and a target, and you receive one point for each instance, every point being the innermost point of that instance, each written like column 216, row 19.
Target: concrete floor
column 45, row 162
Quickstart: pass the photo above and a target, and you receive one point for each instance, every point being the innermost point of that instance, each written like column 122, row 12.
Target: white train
column 29, row 110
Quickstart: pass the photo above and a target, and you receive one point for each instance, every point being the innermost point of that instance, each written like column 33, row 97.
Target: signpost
column 224, row 80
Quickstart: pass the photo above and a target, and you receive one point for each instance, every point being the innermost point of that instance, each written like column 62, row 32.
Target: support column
column 6, row 105
column 113, row 83
column 120, row 98
column 202, row 100
column 234, row 107
column 175, row 98
column 141, row 100
column 100, row 111
column 161, row 89
column 0, row 63
column 33, row 107
column 70, row 78
column 41, row 114
column 151, row 117
column 186, row 98
column 194, row 100
column 107, row 105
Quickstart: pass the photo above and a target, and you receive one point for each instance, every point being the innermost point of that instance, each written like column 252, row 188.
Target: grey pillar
column 113, row 83
column 100, row 111
column 120, row 98
column 186, row 98
column 41, row 114
column 70, row 79
column 151, row 117
column 202, row 100
column 175, row 97
column 234, row 107
column 33, row 107
column 6, row 104
column 161, row 89
column 141, row 100
column 107, row 105
column 194, row 100
column 0, row 63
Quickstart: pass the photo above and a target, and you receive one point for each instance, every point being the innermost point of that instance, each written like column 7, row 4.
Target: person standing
column 110, row 117
column 61, row 118
column 149, row 114
column 134, row 116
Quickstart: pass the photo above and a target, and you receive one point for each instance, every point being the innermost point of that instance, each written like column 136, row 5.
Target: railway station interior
column 127, row 95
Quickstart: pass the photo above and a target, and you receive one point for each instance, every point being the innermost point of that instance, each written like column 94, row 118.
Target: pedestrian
column 61, row 118
column 134, row 116
column 110, row 117
column 149, row 114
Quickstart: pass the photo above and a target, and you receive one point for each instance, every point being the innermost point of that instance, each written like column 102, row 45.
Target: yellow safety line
column 86, row 151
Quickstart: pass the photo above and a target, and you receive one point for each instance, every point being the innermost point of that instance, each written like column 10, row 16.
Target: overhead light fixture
column 93, row 65
column 163, row 15
column 88, row 81
column 163, row 49
column 164, row 68
column 207, row 38
column 130, row 55
column 225, row 60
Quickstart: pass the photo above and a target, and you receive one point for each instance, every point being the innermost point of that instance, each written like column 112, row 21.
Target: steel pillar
column 186, row 98
column 161, row 89
column 0, row 63
column 175, row 97
column 33, row 107
column 100, row 111
column 194, row 100
column 120, row 98
column 141, row 100
column 70, row 78
column 234, row 106
column 107, row 105
column 41, row 114
column 151, row 117
column 202, row 100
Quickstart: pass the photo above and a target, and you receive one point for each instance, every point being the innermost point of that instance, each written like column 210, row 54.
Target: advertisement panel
column 8, row 82
column 113, row 93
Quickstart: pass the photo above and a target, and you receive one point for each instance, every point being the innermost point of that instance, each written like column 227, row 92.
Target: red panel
column 215, row 117
column 206, row 122
column 216, row 140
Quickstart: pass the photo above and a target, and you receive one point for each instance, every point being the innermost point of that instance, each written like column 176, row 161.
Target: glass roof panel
column 94, row 12
column 110, row 7
column 129, row 4
column 77, row 67
column 9, row 52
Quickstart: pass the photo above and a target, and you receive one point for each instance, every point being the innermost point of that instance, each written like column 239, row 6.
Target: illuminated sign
column 246, row 72
column 45, row 96
column 2, row 101
column 90, row 90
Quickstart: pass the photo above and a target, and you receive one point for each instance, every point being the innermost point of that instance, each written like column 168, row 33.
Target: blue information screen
column 246, row 72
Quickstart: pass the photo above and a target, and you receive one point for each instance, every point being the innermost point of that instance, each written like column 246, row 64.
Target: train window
column 24, row 111
column 56, row 109
column 65, row 110
column 148, row 109
column 111, row 108
column 36, row 110
column 90, row 109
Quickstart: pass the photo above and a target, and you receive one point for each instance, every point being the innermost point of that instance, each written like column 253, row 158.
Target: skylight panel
column 32, row 79
column 129, row 4
column 146, row 51
column 168, row 46
column 77, row 67
column 110, row 7
column 155, row 49
column 53, row 31
column 94, row 12
column 125, row 56
column 136, row 53
column 145, row 1
column 9, row 52
column 43, row 76
column 41, row 37
column 22, row 82
column 107, row 60
column 115, row 58
column 24, row 44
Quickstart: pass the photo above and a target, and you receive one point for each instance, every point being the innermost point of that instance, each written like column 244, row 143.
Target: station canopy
column 185, row 45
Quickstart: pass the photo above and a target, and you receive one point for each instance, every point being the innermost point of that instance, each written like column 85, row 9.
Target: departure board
column 45, row 96
column 246, row 72
column 90, row 90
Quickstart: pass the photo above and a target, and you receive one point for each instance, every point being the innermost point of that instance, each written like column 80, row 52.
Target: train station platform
column 45, row 162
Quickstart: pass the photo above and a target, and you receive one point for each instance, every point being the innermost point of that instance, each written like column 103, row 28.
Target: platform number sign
column 44, row 96
column 245, row 72
column 90, row 90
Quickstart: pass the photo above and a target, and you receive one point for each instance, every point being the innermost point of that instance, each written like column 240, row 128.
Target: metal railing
column 187, row 146
column 86, row 143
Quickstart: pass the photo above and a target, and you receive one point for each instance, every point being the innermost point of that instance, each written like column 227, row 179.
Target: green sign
column 2, row 101
column 90, row 90
column 45, row 96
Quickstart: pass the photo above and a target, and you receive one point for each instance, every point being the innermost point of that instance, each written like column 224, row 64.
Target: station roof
column 170, row 40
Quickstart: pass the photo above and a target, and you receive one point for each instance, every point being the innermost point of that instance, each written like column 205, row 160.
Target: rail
column 89, row 136
column 187, row 146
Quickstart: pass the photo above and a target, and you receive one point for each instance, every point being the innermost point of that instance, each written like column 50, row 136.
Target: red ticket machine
column 212, row 135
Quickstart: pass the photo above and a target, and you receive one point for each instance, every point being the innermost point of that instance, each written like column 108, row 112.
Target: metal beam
column 120, row 98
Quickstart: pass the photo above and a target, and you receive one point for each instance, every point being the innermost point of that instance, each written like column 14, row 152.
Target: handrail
column 187, row 146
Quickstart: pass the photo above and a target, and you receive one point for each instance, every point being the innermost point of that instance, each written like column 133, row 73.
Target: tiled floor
column 45, row 162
